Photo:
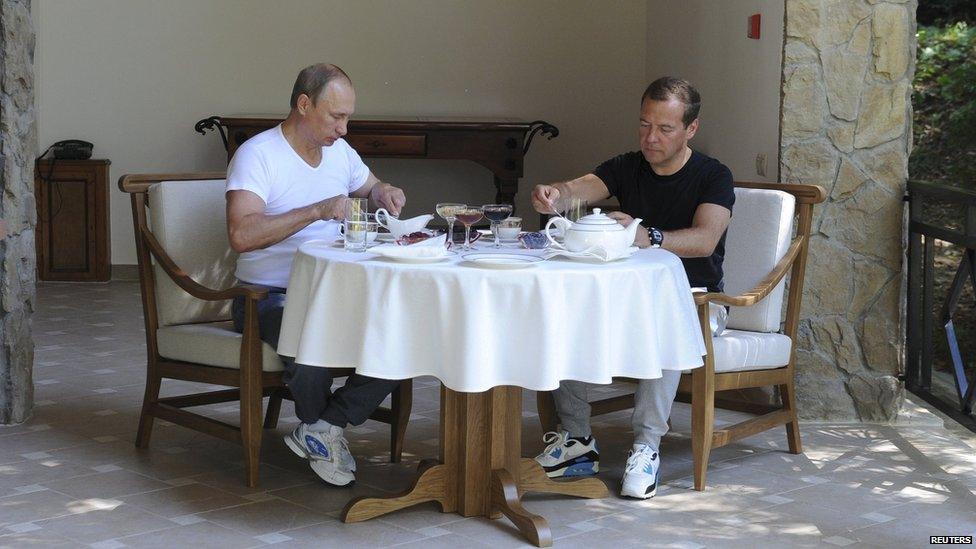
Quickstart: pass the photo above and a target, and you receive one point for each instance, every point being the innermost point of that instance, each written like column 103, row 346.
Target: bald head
column 313, row 79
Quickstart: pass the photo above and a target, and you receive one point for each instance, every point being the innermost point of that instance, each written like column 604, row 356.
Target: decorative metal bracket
column 539, row 126
column 964, row 386
column 212, row 123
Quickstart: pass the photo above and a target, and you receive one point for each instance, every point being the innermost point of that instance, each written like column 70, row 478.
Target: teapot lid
column 597, row 221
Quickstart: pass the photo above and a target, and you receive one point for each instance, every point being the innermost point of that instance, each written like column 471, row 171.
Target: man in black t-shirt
column 685, row 199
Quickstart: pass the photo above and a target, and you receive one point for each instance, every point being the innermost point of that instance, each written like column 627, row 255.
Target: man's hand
column 387, row 196
column 544, row 198
column 332, row 208
column 641, row 239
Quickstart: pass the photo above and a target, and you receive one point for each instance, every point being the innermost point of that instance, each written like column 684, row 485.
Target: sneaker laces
column 344, row 445
column 553, row 439
column 639, row 460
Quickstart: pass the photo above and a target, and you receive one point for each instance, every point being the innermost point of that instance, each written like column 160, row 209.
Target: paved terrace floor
column 71, row 476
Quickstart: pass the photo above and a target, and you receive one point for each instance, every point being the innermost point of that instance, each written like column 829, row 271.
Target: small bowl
column 534, row 241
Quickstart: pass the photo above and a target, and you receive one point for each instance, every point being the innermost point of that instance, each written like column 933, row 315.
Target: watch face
column 656, row 237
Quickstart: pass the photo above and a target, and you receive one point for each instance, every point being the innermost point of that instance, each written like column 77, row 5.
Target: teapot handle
column 564, row 223
column 384, row 222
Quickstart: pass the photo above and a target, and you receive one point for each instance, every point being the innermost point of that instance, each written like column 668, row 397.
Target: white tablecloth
column 476, row 328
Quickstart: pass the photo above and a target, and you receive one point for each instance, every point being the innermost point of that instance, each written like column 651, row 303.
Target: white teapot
column 400, row 227
column 593, row 230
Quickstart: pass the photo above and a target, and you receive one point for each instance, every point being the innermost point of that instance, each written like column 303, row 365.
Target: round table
column 486, row 334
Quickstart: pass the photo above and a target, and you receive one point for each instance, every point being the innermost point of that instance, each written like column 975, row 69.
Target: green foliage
column 945, row 105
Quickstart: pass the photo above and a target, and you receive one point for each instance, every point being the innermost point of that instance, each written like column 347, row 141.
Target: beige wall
column 133, row 77
column 705, row 42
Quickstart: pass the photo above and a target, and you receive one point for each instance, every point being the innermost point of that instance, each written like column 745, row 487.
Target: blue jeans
column 311, row 386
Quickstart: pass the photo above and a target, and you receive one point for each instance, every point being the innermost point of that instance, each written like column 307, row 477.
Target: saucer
column 501, row 260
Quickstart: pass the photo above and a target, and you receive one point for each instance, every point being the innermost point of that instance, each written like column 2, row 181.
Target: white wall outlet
column 761, row 164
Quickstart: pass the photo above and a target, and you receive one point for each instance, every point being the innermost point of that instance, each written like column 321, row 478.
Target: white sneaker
column 640, row 476
column 566, row 457
column 325, row 451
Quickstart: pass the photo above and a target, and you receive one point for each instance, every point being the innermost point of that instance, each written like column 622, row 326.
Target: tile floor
column 71, row 476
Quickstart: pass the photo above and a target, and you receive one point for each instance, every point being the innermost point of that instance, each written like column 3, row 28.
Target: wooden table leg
column 506, row 499
column 532, row 478
column 481, row 471
column 429, row 486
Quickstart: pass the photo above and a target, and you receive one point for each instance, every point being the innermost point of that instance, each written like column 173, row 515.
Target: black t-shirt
column 668, row 202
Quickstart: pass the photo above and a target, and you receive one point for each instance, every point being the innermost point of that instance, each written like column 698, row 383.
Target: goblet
column 496, row 213
column 468, row 216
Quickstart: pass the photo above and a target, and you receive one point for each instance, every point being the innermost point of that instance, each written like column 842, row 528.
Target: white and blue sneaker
column 568, row 457
column 640, row 476
column 327, row 453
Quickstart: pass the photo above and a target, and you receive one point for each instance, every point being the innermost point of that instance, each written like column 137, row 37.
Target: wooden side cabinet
column 72, row 235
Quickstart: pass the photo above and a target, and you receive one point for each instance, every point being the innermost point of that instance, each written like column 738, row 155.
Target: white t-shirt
column 267, row 166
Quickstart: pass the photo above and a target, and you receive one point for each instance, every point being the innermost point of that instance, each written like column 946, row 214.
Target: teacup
column 509, row 229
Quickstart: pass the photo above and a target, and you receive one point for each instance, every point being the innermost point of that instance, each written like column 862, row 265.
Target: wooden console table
column 72, row 234
column 498, row 144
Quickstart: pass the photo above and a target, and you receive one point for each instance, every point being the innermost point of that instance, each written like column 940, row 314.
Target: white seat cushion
column 759, row 235
column 737, row 350
column 188, row 219
column 211, row 343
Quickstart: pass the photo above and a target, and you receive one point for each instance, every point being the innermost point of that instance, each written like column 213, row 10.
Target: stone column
column 18, row 147
column 846, row 125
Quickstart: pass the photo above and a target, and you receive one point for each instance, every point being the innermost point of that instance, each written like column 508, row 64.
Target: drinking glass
column 495, row 213
column 575, row 208
column 468, row 216
column 355, row 235
column 448, row 211
column 356, row 209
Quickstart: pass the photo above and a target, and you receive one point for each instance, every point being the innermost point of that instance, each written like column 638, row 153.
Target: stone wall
column 846, row 125
column 18, row 147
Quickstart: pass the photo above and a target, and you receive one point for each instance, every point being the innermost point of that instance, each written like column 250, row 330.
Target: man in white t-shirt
column 285, row 186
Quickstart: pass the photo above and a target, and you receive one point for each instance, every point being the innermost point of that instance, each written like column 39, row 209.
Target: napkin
column 595, row 252
column 430, row 248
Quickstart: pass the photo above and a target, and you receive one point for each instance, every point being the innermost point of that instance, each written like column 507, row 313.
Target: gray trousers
column 311, row 386
column 652, row 400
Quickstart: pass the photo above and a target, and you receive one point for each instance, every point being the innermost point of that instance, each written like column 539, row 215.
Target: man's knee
column 300, row 375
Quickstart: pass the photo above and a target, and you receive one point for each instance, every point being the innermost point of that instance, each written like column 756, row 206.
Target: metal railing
column 939, row 212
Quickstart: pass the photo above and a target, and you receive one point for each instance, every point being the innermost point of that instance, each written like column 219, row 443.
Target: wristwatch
column 656, row 236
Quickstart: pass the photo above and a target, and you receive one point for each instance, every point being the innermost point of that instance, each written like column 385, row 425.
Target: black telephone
column 72, row 149
column 69, row 149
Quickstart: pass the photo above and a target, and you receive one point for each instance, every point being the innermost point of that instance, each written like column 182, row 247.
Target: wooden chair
column 186, row 274
column 754, row 350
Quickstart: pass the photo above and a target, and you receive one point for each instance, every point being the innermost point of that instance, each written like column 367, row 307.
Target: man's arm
column 699, row 240
column 249, row 228
column 589, row 188
column 381, row 195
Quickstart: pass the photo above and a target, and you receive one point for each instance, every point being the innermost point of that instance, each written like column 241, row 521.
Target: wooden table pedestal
column 481, row 471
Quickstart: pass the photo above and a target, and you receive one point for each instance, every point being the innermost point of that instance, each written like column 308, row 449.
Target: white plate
column 415, row 259
column 402, row 254
column 577, row 256
column 385, row 237
column 342, row 244
column 501, row 261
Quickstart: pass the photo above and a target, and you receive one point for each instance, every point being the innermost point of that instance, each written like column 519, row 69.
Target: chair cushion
column 759, row 235
column 737, row 350
column 188, row 218
column 211, row 343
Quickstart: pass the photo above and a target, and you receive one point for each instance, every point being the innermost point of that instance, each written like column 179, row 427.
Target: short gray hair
column 667, row 88
column 313, row 79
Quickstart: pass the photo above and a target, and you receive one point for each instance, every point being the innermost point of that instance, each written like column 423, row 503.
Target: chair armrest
column 191, row 286
column 764, row 287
